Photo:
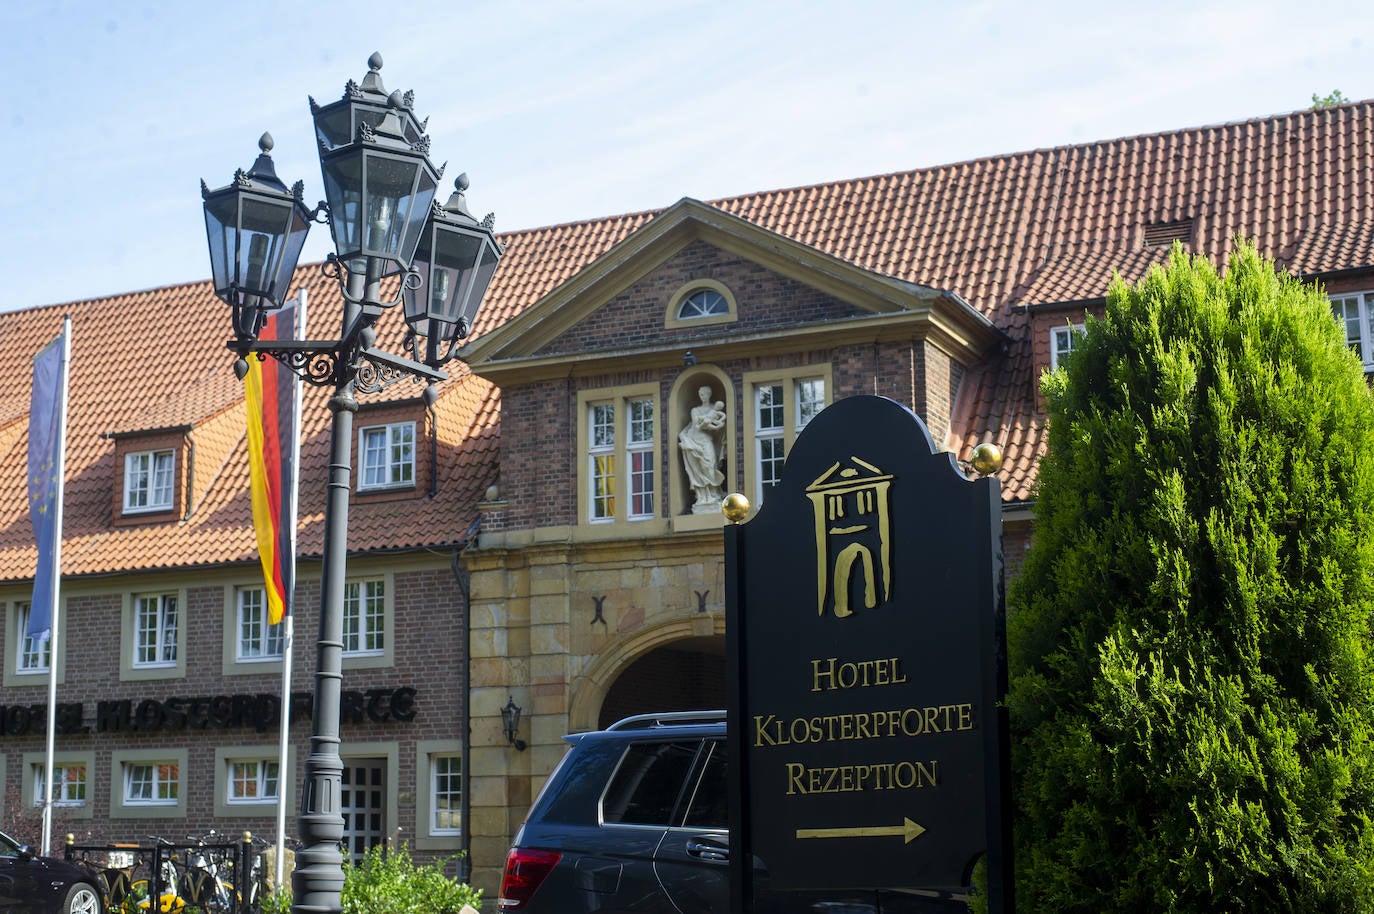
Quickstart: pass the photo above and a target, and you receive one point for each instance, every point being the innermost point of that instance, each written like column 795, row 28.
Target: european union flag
column 45, row 483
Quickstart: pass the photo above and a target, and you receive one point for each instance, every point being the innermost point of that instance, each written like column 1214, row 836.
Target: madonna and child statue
column 701, row 443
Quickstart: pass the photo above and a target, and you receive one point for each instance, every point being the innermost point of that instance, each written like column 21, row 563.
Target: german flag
column 272, row 431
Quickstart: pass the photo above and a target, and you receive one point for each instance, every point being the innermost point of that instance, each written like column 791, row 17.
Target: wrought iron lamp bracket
column 329, row 364
column 334, row 269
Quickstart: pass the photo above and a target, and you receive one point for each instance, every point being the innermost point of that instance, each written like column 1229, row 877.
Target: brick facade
column 427, row 632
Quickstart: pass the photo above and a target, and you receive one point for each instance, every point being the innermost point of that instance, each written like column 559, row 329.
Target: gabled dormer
column 151, row 477
column 161, row 473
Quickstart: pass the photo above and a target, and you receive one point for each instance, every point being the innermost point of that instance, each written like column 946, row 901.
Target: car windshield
column 8, row 846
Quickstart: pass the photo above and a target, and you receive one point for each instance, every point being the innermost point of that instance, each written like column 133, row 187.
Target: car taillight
column 525, row 870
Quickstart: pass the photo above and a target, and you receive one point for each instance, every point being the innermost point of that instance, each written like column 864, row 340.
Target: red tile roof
column 1029, row 228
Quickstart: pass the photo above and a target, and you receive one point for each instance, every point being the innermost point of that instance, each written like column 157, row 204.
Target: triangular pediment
column 522, row 347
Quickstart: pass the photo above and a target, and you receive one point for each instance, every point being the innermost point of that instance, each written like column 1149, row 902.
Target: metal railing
column 197, row 875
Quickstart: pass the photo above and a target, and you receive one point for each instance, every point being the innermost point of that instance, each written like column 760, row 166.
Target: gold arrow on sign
column 909, row 831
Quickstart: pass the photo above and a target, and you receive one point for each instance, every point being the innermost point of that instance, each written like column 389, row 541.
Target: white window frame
column 386, row 456
column 364, row 617
column 62, row 784
column 620, row 440
column 1062, row 340
column 230, row 806
column 32, row 657
column 1353, row 311
column 165, row 633
column 149, row 481
column 256, row 641
column 681, row 315
column 601, row 461
column 266, row 773
column 451, row 779
column 641, row 452
column 804, row 392
column 163, row 776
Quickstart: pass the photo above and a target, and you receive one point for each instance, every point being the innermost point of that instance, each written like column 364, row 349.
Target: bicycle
column 195, row 885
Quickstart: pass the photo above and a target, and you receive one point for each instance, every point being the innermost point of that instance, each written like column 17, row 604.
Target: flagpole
column 50, row 760
column 289, row 615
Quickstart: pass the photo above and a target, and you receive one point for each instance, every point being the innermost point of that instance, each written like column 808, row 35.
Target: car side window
column 708, row 804
column 647, row 783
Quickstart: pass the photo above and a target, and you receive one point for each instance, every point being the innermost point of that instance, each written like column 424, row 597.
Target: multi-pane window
column 364, row 620
column 253, row 781
column 257, row 639
column 782, row 409
column 1062, row 340
column 641, row 454
column 155, row 630
column 34, row 655
column 151, row 783
column 388, row 456
column 1353, row 311
column 148, row 481
column 621, row 432
column 769, row 431
column 703, row 303
column 446, row 786
column 69, row 784
column 601, row 459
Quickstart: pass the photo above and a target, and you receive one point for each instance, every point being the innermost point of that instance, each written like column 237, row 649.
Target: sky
column 565, row 110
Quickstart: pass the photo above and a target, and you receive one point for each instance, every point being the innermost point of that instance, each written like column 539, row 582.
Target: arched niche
column 683, row 398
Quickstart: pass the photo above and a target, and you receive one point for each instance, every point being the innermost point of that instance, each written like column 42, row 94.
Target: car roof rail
column 667, row 719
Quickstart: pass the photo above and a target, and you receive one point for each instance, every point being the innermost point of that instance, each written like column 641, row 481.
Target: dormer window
column 388, row 456
column 148, row 481
column 1062, row 340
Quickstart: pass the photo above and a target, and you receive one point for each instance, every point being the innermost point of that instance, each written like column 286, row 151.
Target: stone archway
column 688, row 675
column 685, row 649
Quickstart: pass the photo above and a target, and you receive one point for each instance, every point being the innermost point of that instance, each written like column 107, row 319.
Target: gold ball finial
column 986, row 458
column 735, row 507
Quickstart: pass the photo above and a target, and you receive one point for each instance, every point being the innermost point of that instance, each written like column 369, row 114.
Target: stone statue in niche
column 701, row 443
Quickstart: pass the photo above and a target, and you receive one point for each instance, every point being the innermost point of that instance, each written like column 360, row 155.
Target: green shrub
column 1192, row 669
column 388, row 881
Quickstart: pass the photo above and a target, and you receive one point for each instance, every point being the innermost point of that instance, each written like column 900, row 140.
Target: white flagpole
column 286, row 774
column 53, row 632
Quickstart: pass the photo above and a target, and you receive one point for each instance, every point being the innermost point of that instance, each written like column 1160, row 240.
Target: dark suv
column 634, row 819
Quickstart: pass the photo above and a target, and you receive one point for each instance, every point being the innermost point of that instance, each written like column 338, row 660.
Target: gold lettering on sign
column 852, row 527
column 771, row 731
column 832, row 673
column 804, row 781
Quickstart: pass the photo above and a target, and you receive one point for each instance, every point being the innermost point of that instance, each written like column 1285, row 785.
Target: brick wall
column 635, row 318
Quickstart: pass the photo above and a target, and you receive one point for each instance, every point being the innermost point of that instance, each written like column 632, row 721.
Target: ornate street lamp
column 256, row 230
column 380, row 187
column 455, row 261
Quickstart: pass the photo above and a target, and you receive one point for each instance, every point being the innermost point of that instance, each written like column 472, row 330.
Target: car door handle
column 705, row 849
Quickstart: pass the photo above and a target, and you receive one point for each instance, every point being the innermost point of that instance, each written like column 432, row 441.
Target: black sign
column 865, row 633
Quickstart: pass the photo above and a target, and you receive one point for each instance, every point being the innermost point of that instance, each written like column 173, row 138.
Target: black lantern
column 380, row 188
column 510, row 722
column 337, row 124
column 256, row 229
column 455, row 260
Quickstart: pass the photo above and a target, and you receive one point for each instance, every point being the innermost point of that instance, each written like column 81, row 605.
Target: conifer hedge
column 1192, row 683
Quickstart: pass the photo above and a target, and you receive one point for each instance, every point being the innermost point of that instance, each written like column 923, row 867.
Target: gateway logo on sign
column 850, row 504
